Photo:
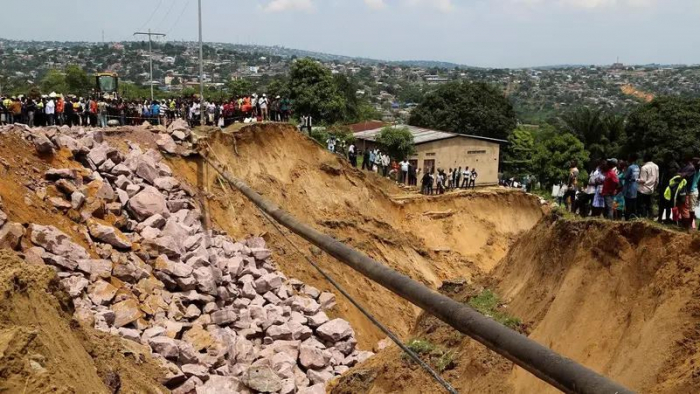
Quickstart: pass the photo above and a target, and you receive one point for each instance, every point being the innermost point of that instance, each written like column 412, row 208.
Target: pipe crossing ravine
column 547, row 365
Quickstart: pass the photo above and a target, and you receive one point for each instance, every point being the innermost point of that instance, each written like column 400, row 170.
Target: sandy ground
column 619, row 298
column 43, row 351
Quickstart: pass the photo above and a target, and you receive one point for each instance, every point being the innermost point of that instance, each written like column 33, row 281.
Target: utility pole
column 150, row 53
column 201, row 66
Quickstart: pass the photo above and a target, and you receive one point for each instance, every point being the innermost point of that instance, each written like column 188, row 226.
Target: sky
column 483, row 33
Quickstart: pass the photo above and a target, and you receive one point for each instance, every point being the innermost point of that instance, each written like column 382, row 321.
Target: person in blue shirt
column 155, row 110
column 629, row 190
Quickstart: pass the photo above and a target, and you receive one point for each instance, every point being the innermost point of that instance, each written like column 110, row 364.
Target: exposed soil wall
column 42, row 350
column 620, row 298
column 430, row 239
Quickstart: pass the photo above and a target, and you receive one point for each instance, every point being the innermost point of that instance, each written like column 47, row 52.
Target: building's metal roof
column 421, row 135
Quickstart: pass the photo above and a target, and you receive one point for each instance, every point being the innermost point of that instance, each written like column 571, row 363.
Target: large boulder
column 43, row 144
column 56, row 242
column 335, row 330
column 166, row 143
column 100, row 153
column 10, row 235
column 108, row 235
column 148, row 202
column 126, row 312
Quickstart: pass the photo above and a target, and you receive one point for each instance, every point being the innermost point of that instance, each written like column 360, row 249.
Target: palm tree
column 600, row 131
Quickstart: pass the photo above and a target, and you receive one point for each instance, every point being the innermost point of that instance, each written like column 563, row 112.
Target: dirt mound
column 429, row 239
column 42, row 350
column 621, row 299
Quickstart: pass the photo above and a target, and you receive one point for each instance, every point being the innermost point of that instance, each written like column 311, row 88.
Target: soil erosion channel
column 619, row 298
column 430, row 239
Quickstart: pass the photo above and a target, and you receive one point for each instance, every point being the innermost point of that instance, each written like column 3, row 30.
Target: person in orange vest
column 246, row 106
column 92, row 105
column 60, row 104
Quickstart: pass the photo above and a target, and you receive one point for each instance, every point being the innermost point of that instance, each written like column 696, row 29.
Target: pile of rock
column 216, row 312
column 177, row 139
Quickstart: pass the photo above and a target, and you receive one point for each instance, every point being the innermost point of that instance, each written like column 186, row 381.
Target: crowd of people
column 55, row 109
column 433, row 181
column 438, row 182
column 627, row 189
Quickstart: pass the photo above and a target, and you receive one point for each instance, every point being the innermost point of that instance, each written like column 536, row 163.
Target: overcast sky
column 487, row 33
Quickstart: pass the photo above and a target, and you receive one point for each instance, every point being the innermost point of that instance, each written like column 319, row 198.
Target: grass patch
column 489, row 304
column 438, row 357
column 421, row 346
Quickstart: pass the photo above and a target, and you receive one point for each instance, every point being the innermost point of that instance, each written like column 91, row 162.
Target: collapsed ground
column 618, row 298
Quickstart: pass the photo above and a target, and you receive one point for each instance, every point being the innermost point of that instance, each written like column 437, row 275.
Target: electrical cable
column 167, row 14
column 184, row 8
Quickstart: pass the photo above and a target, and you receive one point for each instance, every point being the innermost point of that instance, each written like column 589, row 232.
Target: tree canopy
column 77, row 80
column 601, row 132
column 667, row 127
column 468, row 108
column 314, row 92
column 554, row 151
column 54, row 81
column 518, row 158
column 398, row 142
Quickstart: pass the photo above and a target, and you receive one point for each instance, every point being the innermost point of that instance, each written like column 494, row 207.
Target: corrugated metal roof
column 421, row 135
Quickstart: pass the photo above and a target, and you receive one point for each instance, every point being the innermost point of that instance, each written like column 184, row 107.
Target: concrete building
column 439, row 149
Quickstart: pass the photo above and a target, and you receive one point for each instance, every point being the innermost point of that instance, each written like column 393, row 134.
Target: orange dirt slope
column 621, row 299
column 429, row 239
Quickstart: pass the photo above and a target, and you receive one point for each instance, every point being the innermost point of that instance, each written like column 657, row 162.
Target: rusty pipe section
column 549, row 366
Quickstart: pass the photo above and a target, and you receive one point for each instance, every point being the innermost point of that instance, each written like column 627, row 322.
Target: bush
column 398, row 142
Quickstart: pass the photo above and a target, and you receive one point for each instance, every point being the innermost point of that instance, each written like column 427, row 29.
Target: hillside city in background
column 393, row 88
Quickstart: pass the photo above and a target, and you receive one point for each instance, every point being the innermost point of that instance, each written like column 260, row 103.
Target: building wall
column 460, row 152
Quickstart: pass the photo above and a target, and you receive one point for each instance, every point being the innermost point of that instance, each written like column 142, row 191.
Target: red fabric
column 611, row 183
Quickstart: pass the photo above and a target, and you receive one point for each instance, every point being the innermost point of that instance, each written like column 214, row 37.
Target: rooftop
column 421, row 135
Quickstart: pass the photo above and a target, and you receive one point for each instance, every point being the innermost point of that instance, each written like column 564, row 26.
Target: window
column 476, row 152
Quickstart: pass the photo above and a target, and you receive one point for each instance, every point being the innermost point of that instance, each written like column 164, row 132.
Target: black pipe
column 553, row 368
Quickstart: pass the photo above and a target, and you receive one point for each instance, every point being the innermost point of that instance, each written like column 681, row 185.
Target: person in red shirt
column 611, row 186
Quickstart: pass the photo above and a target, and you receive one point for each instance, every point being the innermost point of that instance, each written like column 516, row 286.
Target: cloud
column 588, row 4
column 375, row 4
column 289, row 5
column 441, row 5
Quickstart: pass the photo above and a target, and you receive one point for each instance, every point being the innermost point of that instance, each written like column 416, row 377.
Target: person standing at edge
column 648, row 183
column 684, row 207
column 631, row 187
column 572, row 182
column 610, row 186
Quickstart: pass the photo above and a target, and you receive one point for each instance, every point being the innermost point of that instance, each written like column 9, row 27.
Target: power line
column 167, row 14
column 152, row 15
column 184, row 8
column 150, row 53
column 147, row 22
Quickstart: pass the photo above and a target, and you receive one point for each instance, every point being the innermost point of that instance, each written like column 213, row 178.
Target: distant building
column 439, row 149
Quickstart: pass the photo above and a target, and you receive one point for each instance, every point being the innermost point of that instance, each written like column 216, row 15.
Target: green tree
column 667, row 127
column 519, row 156
column 398, row 142
column 554, row 151
column 77, row 80
column 313, row 92
column 468, row 108
column 239, row 87
column 54, row 81
column 601, row 132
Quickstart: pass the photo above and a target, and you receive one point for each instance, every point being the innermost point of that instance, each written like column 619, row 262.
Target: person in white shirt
column 263, row 107
column 466, row 177
column 50, row 111
column 404, row 171
column 648, row 182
